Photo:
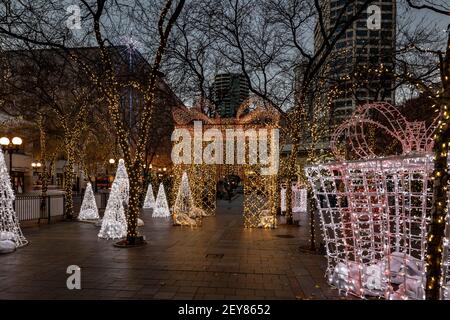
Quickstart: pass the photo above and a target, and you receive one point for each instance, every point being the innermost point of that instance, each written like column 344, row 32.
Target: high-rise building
column 355, row 64
column 230, row 90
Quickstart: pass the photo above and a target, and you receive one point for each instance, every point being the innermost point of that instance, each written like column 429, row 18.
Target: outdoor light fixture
column 12, row 146
column 17, row 141
column 36, row 165
column 4, row 141
column 112, row 161
column 165, row 169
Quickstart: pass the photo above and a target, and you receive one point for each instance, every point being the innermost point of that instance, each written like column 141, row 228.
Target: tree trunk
column 134, row 204
column 436, row 231
column 312, row 225
column 439, row 211
column 290, row 174
column 45, row 174
column 69, row 178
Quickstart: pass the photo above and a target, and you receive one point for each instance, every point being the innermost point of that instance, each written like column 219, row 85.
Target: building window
column 361, row 33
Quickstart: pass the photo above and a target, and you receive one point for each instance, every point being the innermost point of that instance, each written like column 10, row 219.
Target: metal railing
column 36, row 207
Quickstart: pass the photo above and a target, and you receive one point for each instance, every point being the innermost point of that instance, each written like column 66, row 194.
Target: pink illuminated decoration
column 299, row 199
column 251, row 111
column 375, row 211
column 413, row 136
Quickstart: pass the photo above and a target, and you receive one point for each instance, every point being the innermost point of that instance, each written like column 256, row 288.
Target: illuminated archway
column 254, row 115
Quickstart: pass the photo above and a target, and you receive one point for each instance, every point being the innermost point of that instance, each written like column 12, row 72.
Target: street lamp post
column 111, row 163
column 36, row 166
column 11, row 146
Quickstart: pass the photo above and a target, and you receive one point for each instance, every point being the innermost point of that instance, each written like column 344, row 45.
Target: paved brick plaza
column 221, row 260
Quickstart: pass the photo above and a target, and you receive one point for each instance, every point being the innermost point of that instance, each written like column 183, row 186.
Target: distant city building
column 230, row 90
column 299, row 72
column 358, row 55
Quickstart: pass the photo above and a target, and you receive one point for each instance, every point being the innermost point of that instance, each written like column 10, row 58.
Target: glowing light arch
column 414, row 137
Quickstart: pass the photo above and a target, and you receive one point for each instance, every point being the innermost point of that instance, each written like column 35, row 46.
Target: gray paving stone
column 251, row 264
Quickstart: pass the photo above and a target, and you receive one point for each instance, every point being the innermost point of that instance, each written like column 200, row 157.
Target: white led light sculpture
column 374, row 212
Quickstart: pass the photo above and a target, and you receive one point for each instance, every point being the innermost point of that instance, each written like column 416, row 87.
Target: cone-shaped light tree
column 161, row 209
column 9, row 223
column 114, row 224
column 149, row 202
column 89, row 209
column 184, row 203
column 184, row 211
